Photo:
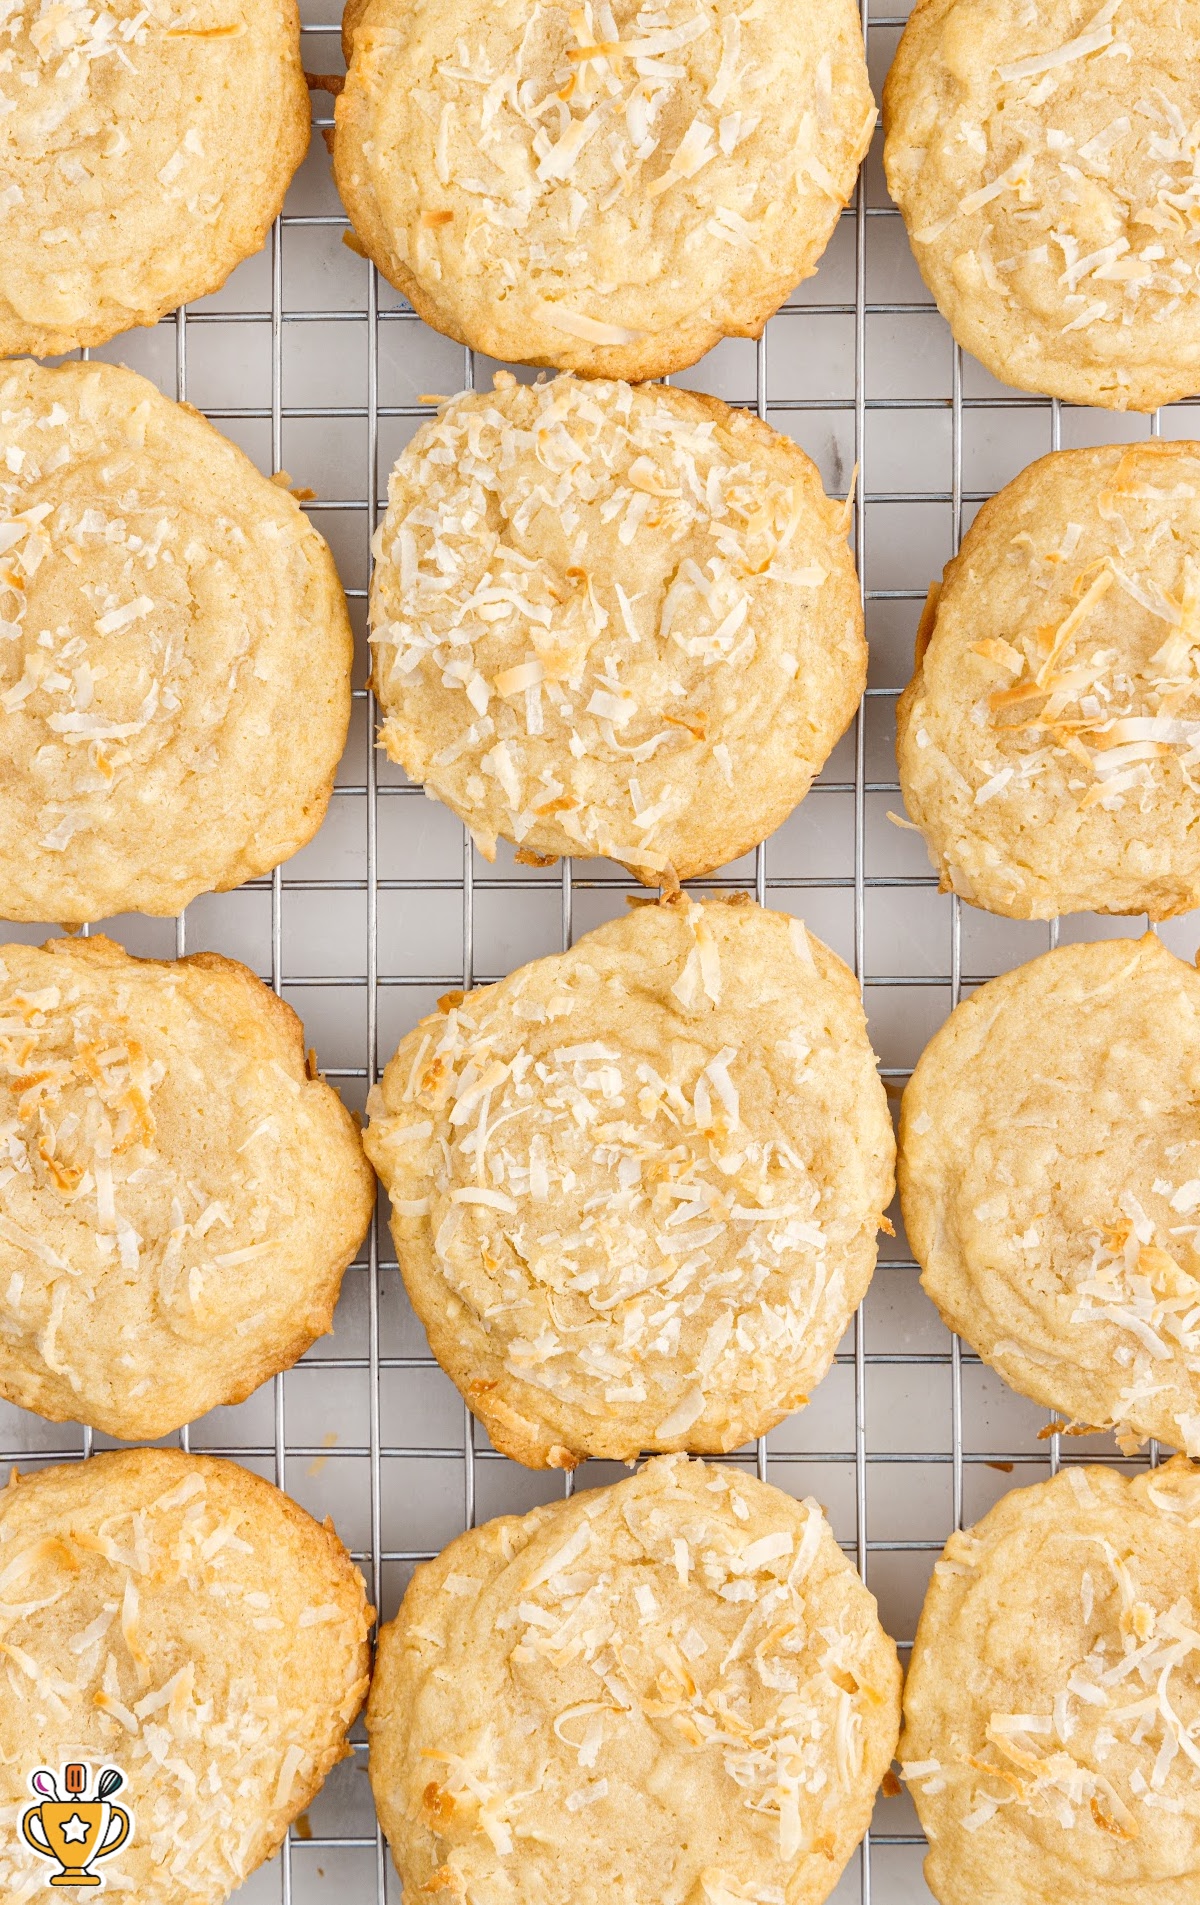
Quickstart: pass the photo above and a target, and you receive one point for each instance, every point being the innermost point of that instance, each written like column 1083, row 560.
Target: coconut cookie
column 180, row 1621
column 636, row 1186
column 1050, row 1181
column 178, row 1196
column 1049, row 741
column 174, row 653
column 1044, row 158
column 675, row 1690
column 144, row 152
column 613, row 621
column 611, row 188
column 1053, row 1697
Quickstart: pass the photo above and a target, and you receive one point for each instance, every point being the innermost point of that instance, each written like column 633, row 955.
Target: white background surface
column 311, row 362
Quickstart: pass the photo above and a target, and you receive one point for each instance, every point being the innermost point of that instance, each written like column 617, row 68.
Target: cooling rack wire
column 310, row 361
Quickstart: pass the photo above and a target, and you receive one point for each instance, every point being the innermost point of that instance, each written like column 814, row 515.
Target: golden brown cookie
column 675, row 1690
column 144, row 152
column 179, row 1621
column 611, row 188
column 178, row 1195
column 1049, row 740
column 1044, row 158
column 174, row 653
column 1053, row 1698
column 613, row 621
column 636, row 1186
column 1050, row 1182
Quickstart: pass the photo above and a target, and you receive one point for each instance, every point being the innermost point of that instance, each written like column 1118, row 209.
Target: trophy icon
column 75, row 1831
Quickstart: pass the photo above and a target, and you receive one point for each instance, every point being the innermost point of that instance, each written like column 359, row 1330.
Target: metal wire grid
column 275, row 1434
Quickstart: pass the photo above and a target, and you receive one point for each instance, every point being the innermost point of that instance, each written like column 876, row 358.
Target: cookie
column 174, row 653
column 1044, row 159
column 179, row 1196
column 1053, row 1697
column 1049, row 740
column 144, row 153
column 609, row 189
column 647, row 655
column 178, row 1620
column 675, row 1690
column 1050, row 1183
column 636, row 1186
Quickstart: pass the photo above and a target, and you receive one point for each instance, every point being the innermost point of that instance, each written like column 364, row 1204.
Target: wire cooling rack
column 310, row 361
